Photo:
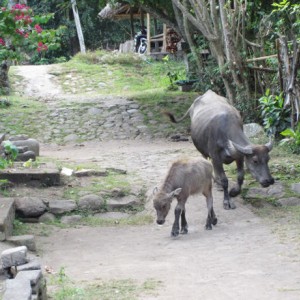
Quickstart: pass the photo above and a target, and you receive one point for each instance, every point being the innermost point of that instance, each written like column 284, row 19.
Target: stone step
column 7, row 216
column 44, row 175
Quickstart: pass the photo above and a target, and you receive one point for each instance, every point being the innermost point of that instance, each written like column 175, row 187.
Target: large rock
column 252, row 129
column 32, row 144
column 30, row 207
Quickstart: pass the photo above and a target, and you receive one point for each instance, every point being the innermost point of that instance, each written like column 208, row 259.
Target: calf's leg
column 211, row 216
column 175, row 228
column 184, row 224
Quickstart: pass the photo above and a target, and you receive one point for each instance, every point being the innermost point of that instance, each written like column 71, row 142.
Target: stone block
column 33, row 264
column 7, row 216
column 23, row 240
column 33, row 276
column 45, row 175
column 14, row 257
column 17, row 289
column 119, row 203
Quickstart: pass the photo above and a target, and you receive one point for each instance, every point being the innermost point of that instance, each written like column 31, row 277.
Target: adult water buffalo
column 217, row 132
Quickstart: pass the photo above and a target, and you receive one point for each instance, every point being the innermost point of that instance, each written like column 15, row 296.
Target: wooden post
column 131, row 23
column 164, row 46
column 148, row 34
column 280, row 65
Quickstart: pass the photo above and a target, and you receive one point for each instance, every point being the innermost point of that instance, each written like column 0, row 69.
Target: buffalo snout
column 267, row 182
column 160, row 222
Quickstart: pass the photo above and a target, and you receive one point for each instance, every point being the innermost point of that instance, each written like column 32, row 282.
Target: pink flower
column 20, row 31
column 38, row 28
column 19, row 6
column 2, row 42
column 41, row 47
column 3, row 8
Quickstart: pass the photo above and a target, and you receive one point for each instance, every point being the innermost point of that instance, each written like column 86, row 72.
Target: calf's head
column 162, row 203
column 256, row 159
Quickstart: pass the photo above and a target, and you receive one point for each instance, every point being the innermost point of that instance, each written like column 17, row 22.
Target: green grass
column 117, row 74
column 61, row 287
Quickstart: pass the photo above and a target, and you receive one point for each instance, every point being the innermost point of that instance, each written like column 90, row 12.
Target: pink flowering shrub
column 21, row 32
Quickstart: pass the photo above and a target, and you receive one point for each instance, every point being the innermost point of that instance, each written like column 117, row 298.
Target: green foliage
column 292, row 138
column 174, row 73
column 286, row 18
column 275, row 117
column 11, row 153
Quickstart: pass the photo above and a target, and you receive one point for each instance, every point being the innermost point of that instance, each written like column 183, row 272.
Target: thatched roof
column 119, row 11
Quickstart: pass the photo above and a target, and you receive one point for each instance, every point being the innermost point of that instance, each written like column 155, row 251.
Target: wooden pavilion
column 157, row 43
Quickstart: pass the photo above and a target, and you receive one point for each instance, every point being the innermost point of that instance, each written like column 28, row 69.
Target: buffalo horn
column 269, row 145
column 244, row 150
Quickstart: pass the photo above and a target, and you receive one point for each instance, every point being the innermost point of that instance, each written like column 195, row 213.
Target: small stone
column 292, row 201
column 46, row 217
column 296, row 187
column 70, row 219
column 90, row 202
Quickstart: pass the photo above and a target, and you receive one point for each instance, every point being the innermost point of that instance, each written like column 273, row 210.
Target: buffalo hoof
column 226, row 205
column 229, row 205
column 214, row 221
column 232, row 205
column 184, row 230
column 174, row 233
column 208, row 227
column 234, row 192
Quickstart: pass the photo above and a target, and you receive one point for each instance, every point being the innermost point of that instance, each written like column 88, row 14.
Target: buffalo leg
column 175, row 228
column 220, row 174
column 184, row 224
column 240, row 179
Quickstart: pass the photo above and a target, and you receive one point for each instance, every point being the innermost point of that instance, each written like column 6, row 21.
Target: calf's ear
column 155, row 190
column 176, row 192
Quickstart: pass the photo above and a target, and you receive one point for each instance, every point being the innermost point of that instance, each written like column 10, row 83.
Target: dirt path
column 241, row 258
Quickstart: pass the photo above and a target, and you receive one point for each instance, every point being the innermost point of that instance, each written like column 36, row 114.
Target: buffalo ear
column 155, row 190
column 247, row 150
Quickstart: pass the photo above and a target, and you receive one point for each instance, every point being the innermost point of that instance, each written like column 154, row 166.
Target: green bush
column 275, row 117
column 292, row 139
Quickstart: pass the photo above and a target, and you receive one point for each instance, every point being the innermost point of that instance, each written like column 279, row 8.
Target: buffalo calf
column 185, row 178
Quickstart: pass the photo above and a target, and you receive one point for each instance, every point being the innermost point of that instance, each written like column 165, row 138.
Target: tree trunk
column 78, row 26
column 4, row 82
